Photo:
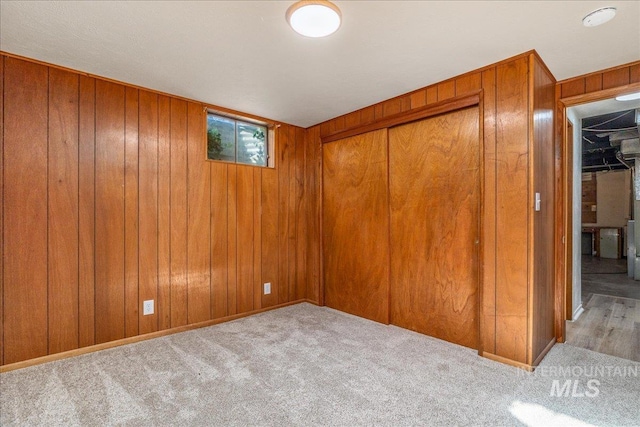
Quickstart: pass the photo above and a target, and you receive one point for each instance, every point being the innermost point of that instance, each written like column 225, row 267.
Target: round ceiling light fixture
column 599, row 16
column 314, row 18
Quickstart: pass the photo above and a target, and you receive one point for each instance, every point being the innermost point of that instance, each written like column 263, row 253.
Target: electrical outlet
column 147, row 307
column 267, row 288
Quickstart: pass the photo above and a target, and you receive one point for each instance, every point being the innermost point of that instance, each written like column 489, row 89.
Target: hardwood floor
column 610, row 323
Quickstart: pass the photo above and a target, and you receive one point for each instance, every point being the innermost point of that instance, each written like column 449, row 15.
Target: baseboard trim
column 138, row 338
column 577, row 313
column 310, row 301
column 506, row 361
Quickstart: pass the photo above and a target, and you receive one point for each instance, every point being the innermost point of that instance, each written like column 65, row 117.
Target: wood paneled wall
column 542, row 288
column 108, row 200
column 600, row 80
column 507, row 196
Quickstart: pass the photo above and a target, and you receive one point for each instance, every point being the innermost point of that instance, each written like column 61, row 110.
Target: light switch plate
column 267, row 288
column 538, row 202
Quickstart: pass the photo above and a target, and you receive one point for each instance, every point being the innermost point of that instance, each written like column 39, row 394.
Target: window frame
column 270, row 139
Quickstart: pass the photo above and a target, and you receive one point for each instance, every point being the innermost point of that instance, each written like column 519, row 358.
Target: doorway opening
column 603, row 269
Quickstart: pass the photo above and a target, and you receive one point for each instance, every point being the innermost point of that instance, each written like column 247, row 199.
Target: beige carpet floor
column 308, row 365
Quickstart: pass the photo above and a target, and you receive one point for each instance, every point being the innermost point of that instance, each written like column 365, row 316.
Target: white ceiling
column 242, row 54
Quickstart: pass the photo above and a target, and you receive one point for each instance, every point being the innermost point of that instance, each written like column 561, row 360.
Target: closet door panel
column 356, row 225
column 434, row 169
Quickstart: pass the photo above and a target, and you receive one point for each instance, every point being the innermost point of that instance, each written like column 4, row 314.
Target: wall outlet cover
column 267, row 288
column 147, row 307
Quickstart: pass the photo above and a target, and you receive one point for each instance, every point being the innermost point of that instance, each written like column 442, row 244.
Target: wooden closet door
column 356, row 225
column 434, row 169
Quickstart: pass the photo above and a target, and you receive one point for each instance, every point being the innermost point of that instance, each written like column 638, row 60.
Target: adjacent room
column 319, row 213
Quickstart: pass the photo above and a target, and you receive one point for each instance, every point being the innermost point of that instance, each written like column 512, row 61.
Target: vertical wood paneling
column 468, row 83
column 232, row 239
column 270, row 237
column 542, row 289
column 164, row 212
column 219, row 217
column 634, row 73
column 114, row 203
column 367, row 115
column 131, row 256
column 593, row 83
column 1, row 209
column 63, row 210
column 446, row 90
column 199, row 231
column 25, row 210
column 257, row 238
column 110, row 211
column 352, row 119
column 615, row 78
column 86, row 212
column 283, row 152
column 312, row 182
column 432, row 94
column 299, row 212
column 488, row 294
column 178, row 213
column 419, row 99
column 245, row 226
column 512, row 213
column 573, row 87
column 356, row 225
column 148, row 214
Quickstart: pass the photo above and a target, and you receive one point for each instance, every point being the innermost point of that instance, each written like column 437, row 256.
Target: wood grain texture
column 131, row 230
column 257, row 238
column 232, row 240
column 164, row 213
column 63, row 211
column 269, row 234
column 432, row 207
column 356, row 225
column 245, row 224
column 512, row 210
column 542, row 286
column 615, row 78
column 313, row 181
column 110, row 212
column 25, row 210
column 148, row 213
column 489, row 241
column 86, row 211
column 178, row 214
column 283, row 150
column 1, row 209
column 199, row 219
column 219, row 218
column 446, row 90
column 122, row 207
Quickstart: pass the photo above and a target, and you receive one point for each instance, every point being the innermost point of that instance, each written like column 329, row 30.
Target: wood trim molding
column 582, row 76
column 544, row 353
column 138, row 338
column 599, row 95
column 506, row 361
column 438, row 108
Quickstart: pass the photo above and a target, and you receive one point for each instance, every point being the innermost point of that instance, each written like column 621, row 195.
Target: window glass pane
column 221, row 142
column 252, row 144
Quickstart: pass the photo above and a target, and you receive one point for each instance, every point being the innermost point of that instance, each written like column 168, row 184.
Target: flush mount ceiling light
column 628, row 97
column 314, row 18
column 599, row 16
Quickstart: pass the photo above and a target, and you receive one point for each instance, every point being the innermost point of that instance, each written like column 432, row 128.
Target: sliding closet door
column 434, row 169
column 355, row 225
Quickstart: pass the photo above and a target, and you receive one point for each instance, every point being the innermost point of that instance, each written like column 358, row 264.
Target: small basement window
column 236, row 141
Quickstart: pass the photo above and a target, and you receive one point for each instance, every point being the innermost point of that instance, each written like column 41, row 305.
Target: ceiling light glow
column 314, row 18
column 628, row 97
column 599, row 16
